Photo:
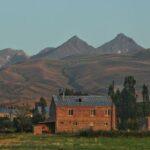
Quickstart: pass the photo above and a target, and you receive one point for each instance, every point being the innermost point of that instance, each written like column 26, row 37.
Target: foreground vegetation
column 29, row 142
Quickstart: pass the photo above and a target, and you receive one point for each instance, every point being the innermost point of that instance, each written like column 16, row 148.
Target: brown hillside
column 30, row 80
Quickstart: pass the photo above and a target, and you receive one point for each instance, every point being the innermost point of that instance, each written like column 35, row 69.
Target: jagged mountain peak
column 74, row 40
column 75, row 37
column 72, row 47
column 124, row 38
column 120, row 44
column 121, row 35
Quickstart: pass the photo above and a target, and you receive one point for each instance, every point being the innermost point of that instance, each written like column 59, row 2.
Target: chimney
column 63, row 97
column 80, row 100
column 62, row 93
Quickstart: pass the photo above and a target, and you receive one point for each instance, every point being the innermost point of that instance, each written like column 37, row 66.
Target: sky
column 32, row 25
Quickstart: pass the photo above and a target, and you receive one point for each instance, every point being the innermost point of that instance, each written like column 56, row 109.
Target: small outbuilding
column 148, row 123
column 41, row 128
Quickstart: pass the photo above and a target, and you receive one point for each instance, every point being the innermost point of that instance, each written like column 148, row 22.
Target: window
column 75, row 123
column 106, row 123
column 61, row 122
column 70, row 113
column 93, row 112
column 108, row 112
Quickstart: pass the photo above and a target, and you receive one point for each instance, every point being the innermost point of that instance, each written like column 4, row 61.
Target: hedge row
column 89, row 133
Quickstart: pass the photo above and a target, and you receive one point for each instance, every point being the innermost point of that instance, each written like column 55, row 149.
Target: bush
column 90, row 133
column 6, row 125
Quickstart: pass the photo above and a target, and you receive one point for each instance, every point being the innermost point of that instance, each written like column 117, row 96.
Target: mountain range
column 75, row 46
column 74, row 64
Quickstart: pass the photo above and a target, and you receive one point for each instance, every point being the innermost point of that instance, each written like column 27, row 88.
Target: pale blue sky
column 35, row 24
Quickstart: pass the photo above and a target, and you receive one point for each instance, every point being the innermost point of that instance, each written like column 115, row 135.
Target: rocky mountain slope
column 75, row 65
column 121, row 44
column 43, row 77
column 74, row 46
column 11, row 56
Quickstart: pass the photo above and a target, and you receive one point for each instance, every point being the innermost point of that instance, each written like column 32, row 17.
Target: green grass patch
column 46, row 142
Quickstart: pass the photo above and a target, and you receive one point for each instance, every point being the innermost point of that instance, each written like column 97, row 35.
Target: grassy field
column 31, row 142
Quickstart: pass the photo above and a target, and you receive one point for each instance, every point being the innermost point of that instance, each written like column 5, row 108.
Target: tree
column 23, row 121
column 128, row 110
column 128, row 104
column 145, row 93
column 6, row 124
column 146, row 100
column 111, row 90
column 39, row 116
column 130, row 114
column 43, row 105
column 129, row 84
column 116, row 101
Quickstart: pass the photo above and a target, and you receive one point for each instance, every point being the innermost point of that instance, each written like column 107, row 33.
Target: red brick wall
column 40, row 129
column 148, row 123
column 82, row 119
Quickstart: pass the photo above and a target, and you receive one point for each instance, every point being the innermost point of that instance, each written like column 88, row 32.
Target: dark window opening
column 93, row 112
column 70, row 112
column 108, row 112
column 75, row 123
column 61, row 122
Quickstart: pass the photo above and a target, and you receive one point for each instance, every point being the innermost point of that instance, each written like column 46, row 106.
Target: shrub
column 90, row 133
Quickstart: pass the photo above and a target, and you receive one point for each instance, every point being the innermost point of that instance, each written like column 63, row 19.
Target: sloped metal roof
column 84, row 100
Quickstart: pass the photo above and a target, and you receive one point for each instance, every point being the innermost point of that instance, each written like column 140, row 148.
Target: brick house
column 76, row 113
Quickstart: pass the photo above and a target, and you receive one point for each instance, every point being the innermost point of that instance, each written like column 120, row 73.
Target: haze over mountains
column 74, row 64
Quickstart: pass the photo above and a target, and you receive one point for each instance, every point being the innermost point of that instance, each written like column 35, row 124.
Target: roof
column 82, row 100
column 6, row 110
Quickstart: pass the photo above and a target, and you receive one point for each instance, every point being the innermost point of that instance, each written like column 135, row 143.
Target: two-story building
column 76, row 113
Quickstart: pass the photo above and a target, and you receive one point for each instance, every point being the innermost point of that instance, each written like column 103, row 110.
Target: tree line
column 131, row 115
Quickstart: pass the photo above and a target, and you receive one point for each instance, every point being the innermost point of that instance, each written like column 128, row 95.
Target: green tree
column 129, row 84
column 146, row 100
column 39, row 111
column 128, row 114
column 116, row 101
column 37, row 117
column 111, row 90
column 145, row 93
column 6, row 125
column 43, row 105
